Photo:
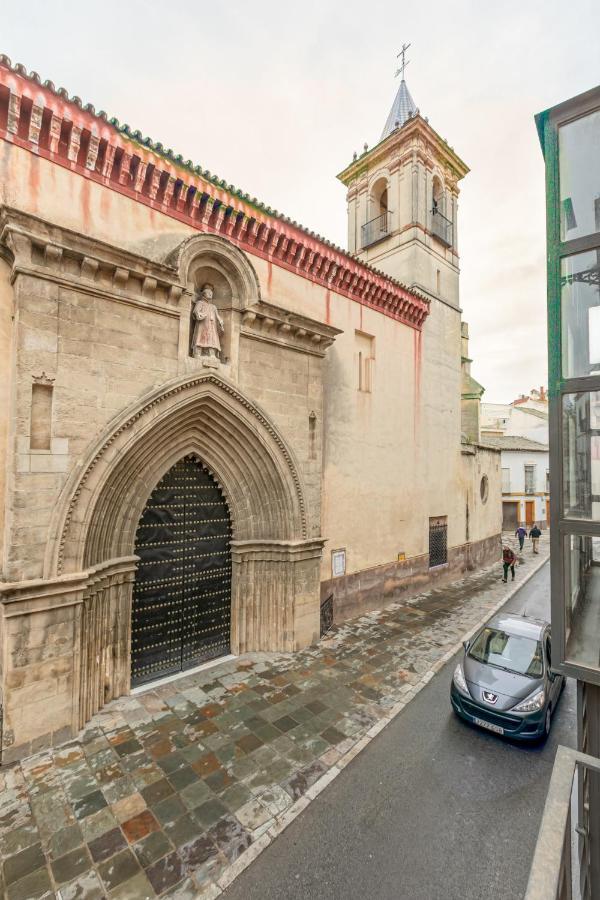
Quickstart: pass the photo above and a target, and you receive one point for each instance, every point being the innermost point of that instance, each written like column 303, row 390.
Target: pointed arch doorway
column 181, row 611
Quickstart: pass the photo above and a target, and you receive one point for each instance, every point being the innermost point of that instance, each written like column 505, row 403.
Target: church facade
column 215, row 422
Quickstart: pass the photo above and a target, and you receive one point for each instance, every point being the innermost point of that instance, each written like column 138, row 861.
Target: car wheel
column 547, row 721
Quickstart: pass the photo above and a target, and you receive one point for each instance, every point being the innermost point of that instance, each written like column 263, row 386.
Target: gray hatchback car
column 505, row 682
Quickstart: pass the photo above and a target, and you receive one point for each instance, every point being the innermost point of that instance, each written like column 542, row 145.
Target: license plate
column 489, row 726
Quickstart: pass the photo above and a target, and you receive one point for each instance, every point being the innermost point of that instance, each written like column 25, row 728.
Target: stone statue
column 207, row 324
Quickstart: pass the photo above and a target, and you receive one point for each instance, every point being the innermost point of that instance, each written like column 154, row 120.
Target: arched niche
column 211, row 259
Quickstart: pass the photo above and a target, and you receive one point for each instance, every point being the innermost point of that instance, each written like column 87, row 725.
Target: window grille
column 438, row 542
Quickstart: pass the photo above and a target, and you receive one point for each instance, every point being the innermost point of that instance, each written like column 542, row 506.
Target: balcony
column 441, row 227
column 572, row 792
column 375, row 230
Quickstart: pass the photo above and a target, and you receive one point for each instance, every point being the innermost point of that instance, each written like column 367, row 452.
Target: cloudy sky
column 276, row 96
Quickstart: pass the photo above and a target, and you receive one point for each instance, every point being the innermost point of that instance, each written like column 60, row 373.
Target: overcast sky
column 274, row 97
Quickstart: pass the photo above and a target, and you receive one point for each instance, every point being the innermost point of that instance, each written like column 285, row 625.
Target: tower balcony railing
column 376, row 229
column 572, row 794
column 441, row 227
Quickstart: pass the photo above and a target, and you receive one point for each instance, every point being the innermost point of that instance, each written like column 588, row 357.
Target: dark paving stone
column 333, row 736
column 168, row 810
column 183, row 777
column 166, row 873
column 230, row 837
column 316, row 707
column 64, row 840
column 118, row 869
column 156, row 792
column 88, row 805
column 249, row 743
column 300, row 781
column 210, row 812
column 23, row 863
column 219, row 780
column 33, row 886
column 72, row 864
column 197, row 852
column 195, row 794
column 107, row 845
column 285, row 723
column 206, row 764
column 171, row 762
column 139, row 826
column 18, row 839
column 182, row 830
column 152, row 848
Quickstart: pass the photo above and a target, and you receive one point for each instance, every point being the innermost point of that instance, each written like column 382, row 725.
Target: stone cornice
column 46, row 122
column 84, row 264
column 266, row 322
column 420, row 136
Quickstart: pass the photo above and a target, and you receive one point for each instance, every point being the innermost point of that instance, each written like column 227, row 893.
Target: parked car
column 505, row 681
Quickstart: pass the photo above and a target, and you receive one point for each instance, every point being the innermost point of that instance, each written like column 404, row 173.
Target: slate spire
column 402, row 109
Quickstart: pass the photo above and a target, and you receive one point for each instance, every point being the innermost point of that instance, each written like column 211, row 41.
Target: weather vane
column 404, row 62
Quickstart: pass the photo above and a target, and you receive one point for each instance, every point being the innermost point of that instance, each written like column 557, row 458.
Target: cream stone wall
column 6, row 382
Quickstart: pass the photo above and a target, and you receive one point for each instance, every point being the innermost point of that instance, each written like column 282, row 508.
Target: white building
column 520, row 431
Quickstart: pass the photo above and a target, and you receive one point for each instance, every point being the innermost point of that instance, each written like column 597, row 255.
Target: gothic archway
column 275, row 563
column 181, row 609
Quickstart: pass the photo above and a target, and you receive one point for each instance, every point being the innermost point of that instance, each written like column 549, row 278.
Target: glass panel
column 581, row 455
column 580, row 314
column 579, row 167
column 582, row 600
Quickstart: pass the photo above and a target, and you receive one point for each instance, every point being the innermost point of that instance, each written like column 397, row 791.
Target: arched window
column 378, row 222
column 441, row 223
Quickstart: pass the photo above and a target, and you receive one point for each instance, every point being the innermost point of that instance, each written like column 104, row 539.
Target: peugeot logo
column 489, row 697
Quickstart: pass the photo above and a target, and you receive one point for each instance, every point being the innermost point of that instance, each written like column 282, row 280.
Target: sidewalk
column 172, row 792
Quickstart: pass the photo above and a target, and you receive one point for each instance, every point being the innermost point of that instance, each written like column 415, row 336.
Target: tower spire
column 404, row 106
column 404, row 62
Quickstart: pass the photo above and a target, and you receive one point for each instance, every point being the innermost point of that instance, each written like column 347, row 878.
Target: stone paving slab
column 172, row 792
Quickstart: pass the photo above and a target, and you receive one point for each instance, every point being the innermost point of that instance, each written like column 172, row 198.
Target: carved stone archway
column 275, row 576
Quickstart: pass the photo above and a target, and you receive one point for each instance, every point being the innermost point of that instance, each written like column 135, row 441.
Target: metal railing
column 551, row 874
column 375, row 229
column 441, row 227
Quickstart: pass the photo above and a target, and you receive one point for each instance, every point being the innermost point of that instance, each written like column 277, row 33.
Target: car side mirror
column 466, row 645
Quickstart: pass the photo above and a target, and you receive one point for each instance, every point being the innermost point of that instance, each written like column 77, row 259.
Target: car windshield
column 513, row 652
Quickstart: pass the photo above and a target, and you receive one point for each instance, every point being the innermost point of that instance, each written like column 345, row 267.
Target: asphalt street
column 431, row 809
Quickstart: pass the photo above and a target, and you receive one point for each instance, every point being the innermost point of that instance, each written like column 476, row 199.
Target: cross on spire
column 404, row 62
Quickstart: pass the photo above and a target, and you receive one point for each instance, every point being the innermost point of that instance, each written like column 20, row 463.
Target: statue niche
column 207, row 325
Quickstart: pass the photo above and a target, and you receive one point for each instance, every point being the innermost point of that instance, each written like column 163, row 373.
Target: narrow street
column 431, row 809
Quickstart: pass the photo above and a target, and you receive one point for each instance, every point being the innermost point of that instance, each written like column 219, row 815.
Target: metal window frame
column 548, row 124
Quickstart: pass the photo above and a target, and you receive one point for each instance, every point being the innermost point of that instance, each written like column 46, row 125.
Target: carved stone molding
column 266, row 322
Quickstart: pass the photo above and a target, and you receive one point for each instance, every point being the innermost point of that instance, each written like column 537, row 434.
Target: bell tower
column 403, row 201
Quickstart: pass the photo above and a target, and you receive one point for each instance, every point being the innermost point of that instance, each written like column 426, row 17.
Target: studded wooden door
column 182, row 592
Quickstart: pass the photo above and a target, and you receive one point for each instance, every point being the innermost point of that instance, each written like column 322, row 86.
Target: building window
column 338, row 563
column 530, row 479
column 438, row 541
column 547, row 481
column 365, row 357
column 506, row 481
column 484, row 489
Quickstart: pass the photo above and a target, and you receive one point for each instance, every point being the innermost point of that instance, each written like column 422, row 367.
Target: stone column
column 275, row 595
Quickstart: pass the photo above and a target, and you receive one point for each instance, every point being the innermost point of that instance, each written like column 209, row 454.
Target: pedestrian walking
column 521, row 533
column 508, row 562
column 535, row 535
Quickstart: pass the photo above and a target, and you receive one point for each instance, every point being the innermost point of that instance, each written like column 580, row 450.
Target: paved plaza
column 165, row 792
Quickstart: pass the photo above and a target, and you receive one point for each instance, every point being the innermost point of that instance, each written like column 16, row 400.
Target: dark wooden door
column 182, row 591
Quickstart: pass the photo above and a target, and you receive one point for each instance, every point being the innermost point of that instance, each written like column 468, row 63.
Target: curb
column 292, row 812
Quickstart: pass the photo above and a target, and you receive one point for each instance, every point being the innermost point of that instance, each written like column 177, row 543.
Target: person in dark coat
column 535, row 535
column 521, row 533
column 508, row 562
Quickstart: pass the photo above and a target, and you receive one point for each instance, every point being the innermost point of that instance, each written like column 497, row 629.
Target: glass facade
column 580, row 314
column 579, row 172
column 570, row 136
